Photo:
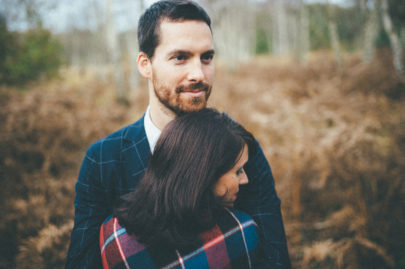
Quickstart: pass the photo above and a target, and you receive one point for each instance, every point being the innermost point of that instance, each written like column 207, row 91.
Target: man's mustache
column 202, row 86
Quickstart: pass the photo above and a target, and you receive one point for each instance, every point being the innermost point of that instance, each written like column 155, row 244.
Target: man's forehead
column 183, row 28
column 186, row 35
column 166, row 20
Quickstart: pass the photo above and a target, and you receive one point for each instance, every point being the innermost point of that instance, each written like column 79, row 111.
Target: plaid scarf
column 231, row 243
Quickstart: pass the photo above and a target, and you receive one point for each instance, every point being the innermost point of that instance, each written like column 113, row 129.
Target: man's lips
column 194, row 93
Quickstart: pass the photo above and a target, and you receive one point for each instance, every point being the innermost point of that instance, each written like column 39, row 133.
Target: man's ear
column 144, row 65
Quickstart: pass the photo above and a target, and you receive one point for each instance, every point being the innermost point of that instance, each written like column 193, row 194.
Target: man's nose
column 195, row 72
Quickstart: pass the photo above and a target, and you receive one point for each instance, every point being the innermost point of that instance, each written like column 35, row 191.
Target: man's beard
column 174, row 102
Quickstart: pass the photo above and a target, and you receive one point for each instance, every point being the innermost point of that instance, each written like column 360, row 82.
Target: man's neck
column 159, row 114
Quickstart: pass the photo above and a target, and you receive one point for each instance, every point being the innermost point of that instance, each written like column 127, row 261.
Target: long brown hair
column 174, row 200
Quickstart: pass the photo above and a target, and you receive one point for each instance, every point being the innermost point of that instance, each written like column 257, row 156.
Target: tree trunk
column 234, row 30
column 303, row 38
column 132, row 47
column 370, row 31
column 394, row 40
column 246, row 20
column 99, row 55
column 114, row 52
column 333, row 34
column 133, row 50
column 280, row 32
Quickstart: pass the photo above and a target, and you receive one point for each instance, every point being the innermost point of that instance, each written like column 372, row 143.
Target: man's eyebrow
column 179, row 52
column 185, row 52
column 212, row 52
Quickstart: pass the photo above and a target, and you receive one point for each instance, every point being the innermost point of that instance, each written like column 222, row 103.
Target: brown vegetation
column 334, row 136
column 43, row 135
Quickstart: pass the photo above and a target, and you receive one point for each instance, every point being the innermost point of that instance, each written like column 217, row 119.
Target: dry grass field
column 334, row 137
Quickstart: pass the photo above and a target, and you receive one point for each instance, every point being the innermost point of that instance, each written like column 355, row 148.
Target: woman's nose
column 244, row 179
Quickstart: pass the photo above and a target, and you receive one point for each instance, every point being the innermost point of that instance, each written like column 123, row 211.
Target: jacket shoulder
column 117, row 141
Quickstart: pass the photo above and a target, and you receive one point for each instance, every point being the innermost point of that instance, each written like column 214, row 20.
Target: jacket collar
column 135, row 132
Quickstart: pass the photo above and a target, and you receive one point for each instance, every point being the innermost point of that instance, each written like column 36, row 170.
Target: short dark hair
column 174, row 10
column 175, row 200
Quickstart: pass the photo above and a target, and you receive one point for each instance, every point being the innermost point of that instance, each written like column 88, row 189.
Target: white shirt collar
column 152, row 132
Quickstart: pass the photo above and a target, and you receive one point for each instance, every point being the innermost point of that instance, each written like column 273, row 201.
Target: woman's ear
column 144, row 65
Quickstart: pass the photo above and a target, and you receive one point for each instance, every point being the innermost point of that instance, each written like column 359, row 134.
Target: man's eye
column 207, row 58
column 179, row 58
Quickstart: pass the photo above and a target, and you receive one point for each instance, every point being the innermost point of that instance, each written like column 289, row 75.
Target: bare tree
column 234, row 28
column 132, row 45
column 333, row 33
column 114, row 52
column 303, row 43
column 281, row 45
column 370, row 29
column 290, row 28
column 393, row 36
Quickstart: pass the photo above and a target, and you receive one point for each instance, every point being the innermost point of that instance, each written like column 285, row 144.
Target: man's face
column 182, row 65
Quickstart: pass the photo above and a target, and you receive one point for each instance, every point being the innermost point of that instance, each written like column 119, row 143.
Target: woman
column 180, row 214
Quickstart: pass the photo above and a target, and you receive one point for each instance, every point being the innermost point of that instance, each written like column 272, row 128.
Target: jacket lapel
column 135, row 154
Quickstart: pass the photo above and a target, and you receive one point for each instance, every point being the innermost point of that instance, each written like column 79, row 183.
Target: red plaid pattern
column 232, row 243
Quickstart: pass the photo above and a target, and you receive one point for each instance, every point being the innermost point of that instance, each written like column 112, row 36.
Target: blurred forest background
column 320, row 84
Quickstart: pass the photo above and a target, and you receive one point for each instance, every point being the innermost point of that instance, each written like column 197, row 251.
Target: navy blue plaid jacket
column 114, row 165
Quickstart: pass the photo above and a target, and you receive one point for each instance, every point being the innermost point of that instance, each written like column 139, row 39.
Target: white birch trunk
column 100, row 37
column 293, row 26
column 280, row 33
column 234, row 30
column 333, row 34
column 303, row 39
column 115, row 52
column 133, row 50
column 394, row 40
column 242, row 33
column 132, row 46
column 245, row 30
column 370, row 31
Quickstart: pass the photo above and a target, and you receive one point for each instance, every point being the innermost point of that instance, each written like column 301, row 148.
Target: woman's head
column 195, row 171
column 200, row 156
column 227, row 185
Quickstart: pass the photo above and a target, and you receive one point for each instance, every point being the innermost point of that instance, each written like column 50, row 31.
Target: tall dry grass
column 334, row 138
column 43, row 136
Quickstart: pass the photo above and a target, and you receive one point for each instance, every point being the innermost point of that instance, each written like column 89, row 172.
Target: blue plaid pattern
column 114, row 165
column 232, row 243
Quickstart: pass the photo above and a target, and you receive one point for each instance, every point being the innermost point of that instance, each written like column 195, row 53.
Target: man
column 176, row 56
